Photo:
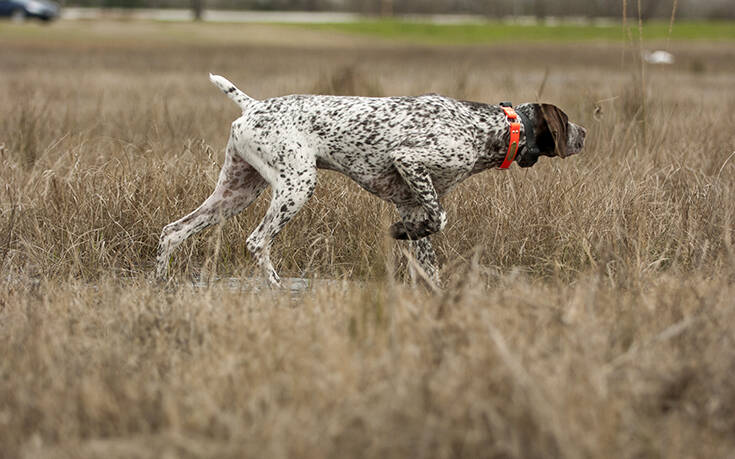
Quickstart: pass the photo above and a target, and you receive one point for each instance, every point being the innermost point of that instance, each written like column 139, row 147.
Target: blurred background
column 710, row 9
column 529, row 9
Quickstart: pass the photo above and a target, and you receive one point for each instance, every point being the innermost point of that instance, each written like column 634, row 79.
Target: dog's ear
column 557, row 122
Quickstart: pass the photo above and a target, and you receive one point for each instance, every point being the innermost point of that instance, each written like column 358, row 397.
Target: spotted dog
column 407, row 150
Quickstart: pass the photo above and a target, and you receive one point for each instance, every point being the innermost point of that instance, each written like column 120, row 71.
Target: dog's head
column 554, row 134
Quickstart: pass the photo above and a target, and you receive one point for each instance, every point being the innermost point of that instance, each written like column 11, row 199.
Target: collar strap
column 515, row 135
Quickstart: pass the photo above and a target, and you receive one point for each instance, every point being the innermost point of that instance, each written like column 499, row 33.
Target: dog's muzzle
column 576, row 138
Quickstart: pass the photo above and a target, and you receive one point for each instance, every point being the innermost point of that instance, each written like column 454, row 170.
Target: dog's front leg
column 425, row 215
column 421, row 249
column 425, row 256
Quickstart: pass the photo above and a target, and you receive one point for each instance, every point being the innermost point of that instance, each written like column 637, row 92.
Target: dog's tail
column 237, row 96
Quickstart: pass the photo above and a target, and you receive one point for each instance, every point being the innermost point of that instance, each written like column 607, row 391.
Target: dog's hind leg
column 239, row 184
column 293, row 179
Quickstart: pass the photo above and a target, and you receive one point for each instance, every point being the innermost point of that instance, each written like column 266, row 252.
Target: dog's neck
column 528, row 136
column 496, row 149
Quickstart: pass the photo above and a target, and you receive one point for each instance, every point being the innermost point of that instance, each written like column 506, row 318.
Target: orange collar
column 515, row 135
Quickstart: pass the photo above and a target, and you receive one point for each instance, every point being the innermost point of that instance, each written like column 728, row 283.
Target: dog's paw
column 398, row 231
column 412, row 231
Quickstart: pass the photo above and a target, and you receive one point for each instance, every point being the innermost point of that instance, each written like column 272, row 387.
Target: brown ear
column 558, row 123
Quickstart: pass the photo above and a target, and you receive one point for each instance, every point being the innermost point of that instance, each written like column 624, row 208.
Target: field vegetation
column 588, row 302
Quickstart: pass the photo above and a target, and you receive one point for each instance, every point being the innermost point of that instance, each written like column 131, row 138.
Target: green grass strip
column 493, row 32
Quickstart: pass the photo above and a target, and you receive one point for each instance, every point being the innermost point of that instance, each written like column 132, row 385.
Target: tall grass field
column 588, row 303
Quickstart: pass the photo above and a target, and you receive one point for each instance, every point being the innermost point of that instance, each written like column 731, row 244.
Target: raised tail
column 237, row 96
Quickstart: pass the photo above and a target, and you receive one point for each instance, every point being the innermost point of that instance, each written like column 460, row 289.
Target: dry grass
column 589, row 303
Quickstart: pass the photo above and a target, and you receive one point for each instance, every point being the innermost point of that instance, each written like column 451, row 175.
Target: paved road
column 254, row 16
column 304, row 17
column 209, row 15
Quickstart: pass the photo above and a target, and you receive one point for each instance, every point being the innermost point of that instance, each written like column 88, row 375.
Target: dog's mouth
column 524, row 161
column 527, row 158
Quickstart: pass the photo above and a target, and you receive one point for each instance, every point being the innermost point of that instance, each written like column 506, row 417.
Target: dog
column 409, row 151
